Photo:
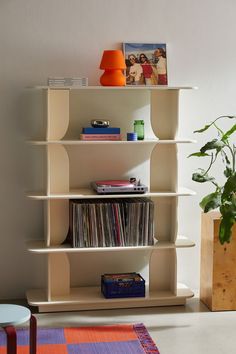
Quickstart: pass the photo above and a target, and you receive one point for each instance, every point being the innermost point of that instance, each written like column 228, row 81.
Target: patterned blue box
column 122, row 285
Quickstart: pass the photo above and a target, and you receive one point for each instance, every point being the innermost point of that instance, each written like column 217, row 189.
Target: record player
column 119, row 186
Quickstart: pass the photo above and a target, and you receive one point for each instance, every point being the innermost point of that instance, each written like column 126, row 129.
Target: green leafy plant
column 224, row 196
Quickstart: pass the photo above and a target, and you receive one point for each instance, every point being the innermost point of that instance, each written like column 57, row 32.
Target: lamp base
column 113, row 78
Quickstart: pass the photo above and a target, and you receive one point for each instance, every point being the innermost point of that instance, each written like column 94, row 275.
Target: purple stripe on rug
column 51, row 336
column 146, row 341
column 44, row 336
column 129, row 347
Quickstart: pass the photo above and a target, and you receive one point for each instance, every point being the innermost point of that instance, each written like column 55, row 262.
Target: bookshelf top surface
column 114, row 87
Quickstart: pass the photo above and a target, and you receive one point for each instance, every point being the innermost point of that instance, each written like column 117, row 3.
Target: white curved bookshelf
column 71, row 164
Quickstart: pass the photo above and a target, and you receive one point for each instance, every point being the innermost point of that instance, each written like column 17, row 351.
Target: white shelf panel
column 88, row 298
column 121, row 142
column 144, row 87
column 40, row 247
column 87, row 193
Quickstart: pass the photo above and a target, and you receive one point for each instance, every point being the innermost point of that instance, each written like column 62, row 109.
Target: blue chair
column 13, row 315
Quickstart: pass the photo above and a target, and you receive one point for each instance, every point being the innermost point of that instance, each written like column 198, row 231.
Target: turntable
column 119, row 186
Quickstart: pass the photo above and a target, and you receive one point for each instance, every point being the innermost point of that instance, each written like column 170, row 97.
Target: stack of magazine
column 111, row 223
column 67, row 81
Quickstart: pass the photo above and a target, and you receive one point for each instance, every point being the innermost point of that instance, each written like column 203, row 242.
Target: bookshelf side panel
column 162, row 270
column 163, row 168
column 58, row 170
column 58, row 275
column 58, row 221
column 165, row 219
column 57, row 113
column 164, row 113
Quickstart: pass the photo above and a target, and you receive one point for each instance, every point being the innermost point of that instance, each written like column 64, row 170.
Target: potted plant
column 218, row 271
column 224, row 197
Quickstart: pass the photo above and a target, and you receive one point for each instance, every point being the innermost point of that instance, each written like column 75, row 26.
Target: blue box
column 108, row 130
column 122, row 285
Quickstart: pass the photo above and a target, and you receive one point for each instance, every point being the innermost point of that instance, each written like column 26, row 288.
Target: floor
column 190, row 329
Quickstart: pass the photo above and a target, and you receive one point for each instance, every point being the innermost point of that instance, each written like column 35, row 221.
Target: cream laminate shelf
column 87, row 193
column 89, row 298
column 70, row 164
column 40, row 247
column 121, row 142
column 144, row 87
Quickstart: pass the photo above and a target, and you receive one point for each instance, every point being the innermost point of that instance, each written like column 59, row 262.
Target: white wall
column 60, row 37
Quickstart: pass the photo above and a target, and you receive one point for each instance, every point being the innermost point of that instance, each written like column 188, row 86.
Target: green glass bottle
column 139, row 129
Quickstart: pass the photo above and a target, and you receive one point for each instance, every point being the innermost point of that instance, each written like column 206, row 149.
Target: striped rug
column 115, row 339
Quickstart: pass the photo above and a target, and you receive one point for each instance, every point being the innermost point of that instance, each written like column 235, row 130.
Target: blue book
column 107, row 130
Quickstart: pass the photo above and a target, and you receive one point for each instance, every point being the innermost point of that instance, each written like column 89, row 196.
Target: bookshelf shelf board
column 88, row 298
column 40, row 247
column 87, row 193
column 121, row 142
column 145, row 87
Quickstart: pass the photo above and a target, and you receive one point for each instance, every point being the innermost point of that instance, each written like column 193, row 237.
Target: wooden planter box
column 218, row 266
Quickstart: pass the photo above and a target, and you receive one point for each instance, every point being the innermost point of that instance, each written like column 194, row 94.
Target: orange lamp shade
column 113, row 62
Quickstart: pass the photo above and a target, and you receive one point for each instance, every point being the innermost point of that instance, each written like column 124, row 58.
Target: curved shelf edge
column 144, row 87
column 87, row 193
column 91, row 298
column 40, row 247
column 120, row 142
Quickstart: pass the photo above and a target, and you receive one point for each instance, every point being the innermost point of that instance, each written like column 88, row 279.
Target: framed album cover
column 146, row 63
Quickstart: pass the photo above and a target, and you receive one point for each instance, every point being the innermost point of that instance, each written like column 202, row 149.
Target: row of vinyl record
column 113, row 223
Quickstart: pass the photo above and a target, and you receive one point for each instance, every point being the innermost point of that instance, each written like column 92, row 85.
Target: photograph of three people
column 146, row 63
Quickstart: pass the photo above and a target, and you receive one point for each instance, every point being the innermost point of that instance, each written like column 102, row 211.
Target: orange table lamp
column 113, row 62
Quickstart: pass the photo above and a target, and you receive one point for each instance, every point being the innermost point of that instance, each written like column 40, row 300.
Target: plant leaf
column 229, row 188
column 203, row 129
column 209, row 125
column 230, row 117
column 225, row 231
column 228, row 133
column 199, row 154
column 228, row 172
column 214, row 144
column 226, row 224
column 225, row 157
column 202, row 177
column 211, row 201
column 228, row 217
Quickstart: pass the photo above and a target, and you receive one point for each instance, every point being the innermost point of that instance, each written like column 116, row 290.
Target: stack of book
column 113, row 223
column 67, row 81
column 107, row 133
